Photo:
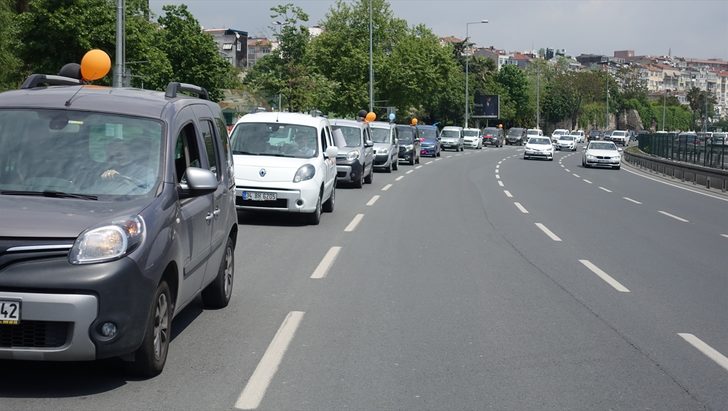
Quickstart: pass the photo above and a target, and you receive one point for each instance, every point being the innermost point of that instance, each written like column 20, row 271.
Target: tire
column 218, row 293
column 412, row 160
column 418, row 159
column 359, row 183
column 618, row 167
column 315, row 217
column 395, row 164
column 329, row 205
column 525, row 157
column 368, row 179
column 150, row 357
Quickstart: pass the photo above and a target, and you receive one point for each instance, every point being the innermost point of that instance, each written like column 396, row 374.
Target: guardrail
column 686, row 148
column 700, row 175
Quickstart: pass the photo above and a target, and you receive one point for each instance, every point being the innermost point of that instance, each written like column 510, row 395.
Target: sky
column 686, row 28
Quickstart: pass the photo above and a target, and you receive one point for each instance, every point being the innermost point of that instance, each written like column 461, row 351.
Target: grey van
column 386, row 145
column 117, row 210
column 355, row 161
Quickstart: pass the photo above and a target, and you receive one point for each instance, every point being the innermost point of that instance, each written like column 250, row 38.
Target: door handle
column 216, row 212
column 209, row 216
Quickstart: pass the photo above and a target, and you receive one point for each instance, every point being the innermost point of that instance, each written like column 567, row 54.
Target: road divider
column 323, row 268
column 604, row 276
column 704, row 348
column 548, row 232
column 258, row 383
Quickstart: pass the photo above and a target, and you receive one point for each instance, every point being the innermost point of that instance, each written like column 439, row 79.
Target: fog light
column 108, row 329
column 299, row 202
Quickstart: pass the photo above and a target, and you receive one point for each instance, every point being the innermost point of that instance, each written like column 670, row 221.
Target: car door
column 394, row 144
column 368, row 150
column 328, row 164
column 215, row 162
column 195, row 221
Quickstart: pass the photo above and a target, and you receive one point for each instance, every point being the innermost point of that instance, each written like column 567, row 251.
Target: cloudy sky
column 689, row 28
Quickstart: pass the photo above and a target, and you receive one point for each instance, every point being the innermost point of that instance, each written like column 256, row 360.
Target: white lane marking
column 410, row 172
column 567, row 170
column 497, row 167
column 438, row 159
column 497, row 176
column 500, row 162
column 724, row 235
column 354, row 222
column 604, row 276
column 398, row 178
column 675, row 185
column 323, row 268
column 673, row 216
column 576, row 175
column 520, row 207
column 586, row 181
column 709, row 351
column 548, row 232
column 500, row 183
column 428, row 162
column 387, row 187
column 631, row 200
column 605, row 189
column 418, row 167
column 508, row 194
column 258, row 383
column 373, row 200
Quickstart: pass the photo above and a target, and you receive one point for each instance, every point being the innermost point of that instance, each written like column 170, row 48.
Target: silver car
column 386, row 146
column 452, row 137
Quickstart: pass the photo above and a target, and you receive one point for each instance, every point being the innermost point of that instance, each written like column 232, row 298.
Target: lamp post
column 664, row 96
column 280, row 25
column 465, row 45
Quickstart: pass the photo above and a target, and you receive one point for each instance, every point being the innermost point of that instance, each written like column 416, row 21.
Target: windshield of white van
column 275, row 139
column 75, row 154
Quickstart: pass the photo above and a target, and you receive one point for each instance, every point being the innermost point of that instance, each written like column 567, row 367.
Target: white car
column 533, row 132
column 284, row 162
column 452, row 137
column 558, row 133
column 539, row 147
column 580, row 134
column 602, row 154
column 619, row 137
column 472, row 138
column 567, row 142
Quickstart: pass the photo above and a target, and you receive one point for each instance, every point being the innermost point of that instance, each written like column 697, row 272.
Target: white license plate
column 603, row 161
column 259, row 196
column 9, row 312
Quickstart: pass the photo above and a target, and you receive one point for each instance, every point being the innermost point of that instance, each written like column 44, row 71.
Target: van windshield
column 450, row 134
column 275, row 139
column 380, row 135
column 62, row 153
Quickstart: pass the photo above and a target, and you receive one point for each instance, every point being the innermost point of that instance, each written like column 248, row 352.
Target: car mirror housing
column 199, row 182
column 331, row 152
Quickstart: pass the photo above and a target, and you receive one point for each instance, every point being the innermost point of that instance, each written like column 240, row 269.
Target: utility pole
column 371, row 65
column 465, row 46
column 120, row 45
column 606, row 119
column 538, row 99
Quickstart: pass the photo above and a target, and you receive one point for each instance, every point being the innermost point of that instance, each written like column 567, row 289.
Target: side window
column 324, row 143
column 224, row 139
column 329, row 139
column 210, row 148
column 187, row 153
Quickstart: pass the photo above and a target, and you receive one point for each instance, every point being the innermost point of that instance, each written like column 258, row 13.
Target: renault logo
column 262, row 172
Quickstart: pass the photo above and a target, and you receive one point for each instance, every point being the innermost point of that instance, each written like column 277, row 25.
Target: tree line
column 415, row 73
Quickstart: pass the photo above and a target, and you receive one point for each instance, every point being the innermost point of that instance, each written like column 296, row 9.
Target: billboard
column 486, row 106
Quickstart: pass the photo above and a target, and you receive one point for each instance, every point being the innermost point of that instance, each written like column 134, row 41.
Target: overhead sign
column 486, row 106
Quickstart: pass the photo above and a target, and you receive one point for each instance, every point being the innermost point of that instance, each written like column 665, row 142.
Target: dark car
column 355, row 160
column 493, row 136
column 595, row 135
column 430, row 143
column 409, row 144
column 516, row 136
column 117, row 209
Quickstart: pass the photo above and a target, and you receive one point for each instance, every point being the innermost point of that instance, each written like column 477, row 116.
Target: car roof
column 283, row 117
column 452, row 128
column 347, row 123
column 380, row 124
column 426, row 126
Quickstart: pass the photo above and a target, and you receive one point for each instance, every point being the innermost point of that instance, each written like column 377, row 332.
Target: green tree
column 8, row 60
column 515, row 83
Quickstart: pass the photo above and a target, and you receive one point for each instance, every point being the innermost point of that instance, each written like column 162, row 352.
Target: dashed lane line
column 323, row 268
column 418, row 167
column 373, row 200
column 500, row 183
column 354, row 222
column 576, row 175
column 508, row 194
column 673, row 216
column 548, row 232
column 399, row 178
column 604, row 276
column 631, row 200
column 586, row 181
column 520, row 207
column 387, row 187
column 704, row 348
column 410, row 172
column 605, row 189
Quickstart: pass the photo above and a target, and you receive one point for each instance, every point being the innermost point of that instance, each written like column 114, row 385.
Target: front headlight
column 352, row 155
column 108, row 242
column 305, row 172
column 590, row 157
column 382, row 151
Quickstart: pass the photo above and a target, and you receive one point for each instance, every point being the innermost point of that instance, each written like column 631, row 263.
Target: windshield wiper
column 49, row 193
column 248, row 153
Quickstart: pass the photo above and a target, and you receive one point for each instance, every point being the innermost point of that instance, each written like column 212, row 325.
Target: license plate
column 259, row 196
column 602, row 160
column 9, row 312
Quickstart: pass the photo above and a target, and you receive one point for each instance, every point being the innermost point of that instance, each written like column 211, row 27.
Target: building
column 232, row 45
column 624, row 54
column 259, row 47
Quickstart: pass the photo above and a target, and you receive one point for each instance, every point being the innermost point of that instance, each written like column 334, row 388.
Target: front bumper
column 566, row 147
column 472, row 144
column 348, row 172
column 406, row 154
column 383, row 160
column 602, row 162
column 534, row 153
column 490, row 141
column 449, row 144
column 290, row 197
column 428, row 151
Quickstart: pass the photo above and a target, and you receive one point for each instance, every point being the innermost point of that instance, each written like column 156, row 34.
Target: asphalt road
column 477, row 281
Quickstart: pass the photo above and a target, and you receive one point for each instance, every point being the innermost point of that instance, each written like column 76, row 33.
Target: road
column 475, row 281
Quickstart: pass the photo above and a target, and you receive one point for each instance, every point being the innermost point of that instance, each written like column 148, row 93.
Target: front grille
column 279, row 203
column 40, row 252
column 34, row 334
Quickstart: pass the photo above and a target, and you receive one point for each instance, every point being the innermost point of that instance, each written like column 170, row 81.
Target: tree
column 515, row 83
column 8, row 60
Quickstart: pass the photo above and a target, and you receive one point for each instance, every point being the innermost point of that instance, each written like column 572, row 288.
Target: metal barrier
column 686, row 148
column 700, row 175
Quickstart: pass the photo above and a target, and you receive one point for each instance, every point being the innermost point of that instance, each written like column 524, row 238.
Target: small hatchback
column 284, row 162
column 117, row 210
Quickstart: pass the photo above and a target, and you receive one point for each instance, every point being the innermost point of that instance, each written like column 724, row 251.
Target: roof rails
column 175, row 86
column 35, row 80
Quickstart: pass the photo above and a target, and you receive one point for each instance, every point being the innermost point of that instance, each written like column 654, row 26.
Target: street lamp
column 465, row 45
column 664, row 96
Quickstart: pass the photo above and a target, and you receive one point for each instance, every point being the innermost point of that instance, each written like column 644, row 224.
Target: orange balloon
column 370, row 117
column 95, row 64
column 414, row 122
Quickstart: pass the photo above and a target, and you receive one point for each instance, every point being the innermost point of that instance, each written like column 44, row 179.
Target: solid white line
column 630, row 200
column 709, row 351
column 398, row 178
column 520, row 207
column 673, row 216
column 354, row 222
column 605, row 189
column 724, row 235
column 675, row 185
column 577, row 176
column 548, row 232
column 258, row 383
column 410, row 172
column 373, row 200
column 418, row 167
column 326, row 263
column 387, row 187
column 586, row 181
column 604, row 276
column 500, row 183
column 508, row 194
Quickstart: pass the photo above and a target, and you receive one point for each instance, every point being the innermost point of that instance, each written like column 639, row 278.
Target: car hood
column 471, row 138
column 565, row 141
column 539, row 147
column 379, row 146
column 268, row 169
column 449, row 139
column 33, row 217
column 603, row 153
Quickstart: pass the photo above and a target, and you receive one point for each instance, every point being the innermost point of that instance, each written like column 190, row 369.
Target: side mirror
column 620, row 149
column 331, row 152
column 369, row 143
column 198, row 182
